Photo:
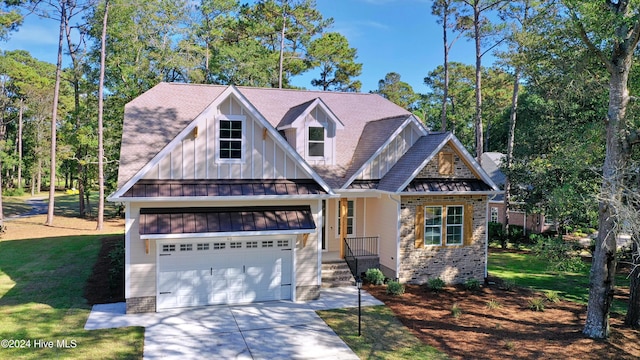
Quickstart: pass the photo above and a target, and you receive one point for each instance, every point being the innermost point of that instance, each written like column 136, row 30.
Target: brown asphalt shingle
column 156, row 117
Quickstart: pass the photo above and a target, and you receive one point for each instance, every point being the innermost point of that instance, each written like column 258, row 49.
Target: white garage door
column 215, row 271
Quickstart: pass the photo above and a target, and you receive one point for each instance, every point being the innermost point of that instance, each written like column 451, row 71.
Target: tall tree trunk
column 478, row 116
column 445, row 65
column 282, row 34
column 20, row 144
column 54, row 117
column 100, row 112
column 510, row 144
column 603, row 267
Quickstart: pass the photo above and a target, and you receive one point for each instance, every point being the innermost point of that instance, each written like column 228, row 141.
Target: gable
column 199, row 154
column 448, row 163
column 388, row 149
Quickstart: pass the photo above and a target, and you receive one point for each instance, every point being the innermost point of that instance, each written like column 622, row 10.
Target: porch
column 360, row 254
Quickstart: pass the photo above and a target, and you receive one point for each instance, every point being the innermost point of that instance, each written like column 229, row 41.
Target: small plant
column 456, row 311
column 435, row 284
column 508, row 285
column 493, row 304
column 395, row 288
column 472, row 284
column 552, row 296
column 509, row 345
column 536, row 304
column 374, row 276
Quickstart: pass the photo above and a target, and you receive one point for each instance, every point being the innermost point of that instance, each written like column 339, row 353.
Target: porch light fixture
column 359, row 286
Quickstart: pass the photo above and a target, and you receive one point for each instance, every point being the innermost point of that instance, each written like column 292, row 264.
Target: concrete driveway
column 269, row 330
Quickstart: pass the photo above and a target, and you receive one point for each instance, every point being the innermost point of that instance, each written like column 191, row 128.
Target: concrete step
column 335, row 274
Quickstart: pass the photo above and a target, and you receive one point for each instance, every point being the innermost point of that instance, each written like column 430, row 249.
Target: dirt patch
column 33, row 227
column 106, row 283
column 510, row 331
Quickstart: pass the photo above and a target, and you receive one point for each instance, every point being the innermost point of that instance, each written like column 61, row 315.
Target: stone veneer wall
column 460, row 169
column 453, row 264
column 141, row 304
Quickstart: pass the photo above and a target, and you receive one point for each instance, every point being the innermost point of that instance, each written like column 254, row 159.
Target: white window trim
column 243, row 139
column 461, row 226
column 352, row 217
column 443, row 225
column 309, row 141
column 442, row 221
column 494, row 211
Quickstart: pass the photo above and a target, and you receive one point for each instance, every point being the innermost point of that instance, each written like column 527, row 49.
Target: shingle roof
column 411, row 160
column 156, row 117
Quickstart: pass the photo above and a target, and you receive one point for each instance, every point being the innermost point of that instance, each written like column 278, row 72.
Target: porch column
column 343, row 224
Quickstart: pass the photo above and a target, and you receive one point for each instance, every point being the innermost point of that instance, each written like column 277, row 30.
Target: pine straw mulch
column 510, row 331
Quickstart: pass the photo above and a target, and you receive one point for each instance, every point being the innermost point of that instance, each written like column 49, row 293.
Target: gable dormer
column 311, row 129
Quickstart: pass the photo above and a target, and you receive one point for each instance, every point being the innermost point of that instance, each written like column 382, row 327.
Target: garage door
column 213, row 271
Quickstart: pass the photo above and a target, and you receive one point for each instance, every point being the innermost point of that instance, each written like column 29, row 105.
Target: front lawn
column 41, row 302
column 383, row 336
column 526, row 270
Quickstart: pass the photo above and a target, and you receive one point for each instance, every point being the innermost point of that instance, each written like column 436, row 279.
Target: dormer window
column 230, row 138
column 316, row 141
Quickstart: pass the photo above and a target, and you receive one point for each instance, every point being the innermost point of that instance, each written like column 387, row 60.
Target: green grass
column 41, row 288
column 65, row 205
column 527, row 270
column 383, row 335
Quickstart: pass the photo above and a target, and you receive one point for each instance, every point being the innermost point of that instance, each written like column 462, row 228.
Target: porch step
column 335, row 274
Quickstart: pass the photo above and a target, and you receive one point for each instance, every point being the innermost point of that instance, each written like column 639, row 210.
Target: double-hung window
column 316, row 141
column 230, row 138
column 455, row 217
column 442, row 223
column 432, row 225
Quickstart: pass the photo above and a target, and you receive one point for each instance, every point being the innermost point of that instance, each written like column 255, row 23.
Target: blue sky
column 390, row 35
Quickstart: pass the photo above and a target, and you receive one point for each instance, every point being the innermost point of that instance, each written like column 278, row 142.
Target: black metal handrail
column 357, row 247
column 363, row 246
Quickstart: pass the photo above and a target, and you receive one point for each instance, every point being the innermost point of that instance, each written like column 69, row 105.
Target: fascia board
column 222, row 198
column 226, row 234
column 479, row 170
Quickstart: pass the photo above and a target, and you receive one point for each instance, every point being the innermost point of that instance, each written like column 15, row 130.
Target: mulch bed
column 510, row 331
column 102, row 287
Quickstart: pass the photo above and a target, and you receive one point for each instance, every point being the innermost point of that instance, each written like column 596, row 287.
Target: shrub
column 552, row 296
column 536, row 304
column 435, row 284
column 116, row 260
column 560, row 254
column 374, row 276
column 13, row 192
column 493, row 304
column 456, row 311
column 395, row 288
column 472, row 284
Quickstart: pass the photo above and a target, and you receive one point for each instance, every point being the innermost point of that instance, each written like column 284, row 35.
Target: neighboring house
column 235, row 194
column 531, row 223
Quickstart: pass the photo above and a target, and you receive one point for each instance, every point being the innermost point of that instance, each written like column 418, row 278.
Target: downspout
column 398, row 209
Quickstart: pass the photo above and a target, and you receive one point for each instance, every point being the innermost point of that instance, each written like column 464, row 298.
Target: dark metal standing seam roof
column 442, row 185
column 157, row 221
column 254, row 187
